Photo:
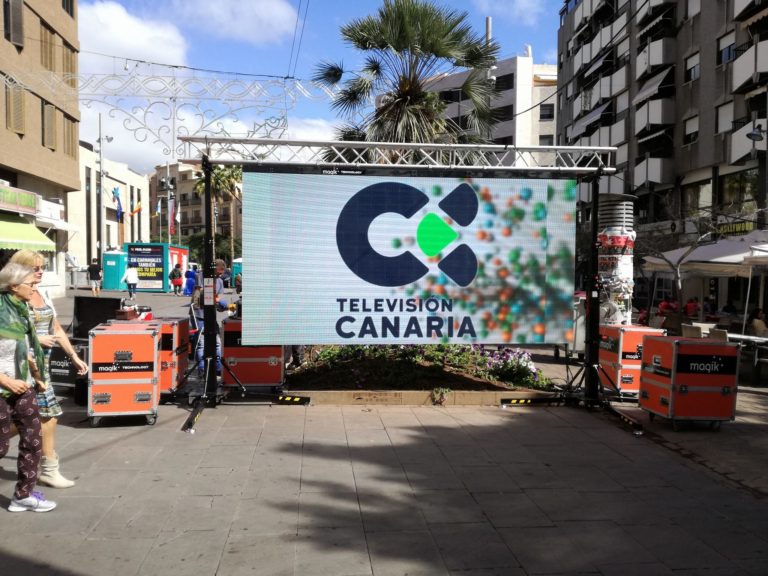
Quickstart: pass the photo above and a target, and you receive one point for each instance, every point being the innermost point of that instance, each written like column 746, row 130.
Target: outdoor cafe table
column 755, row 345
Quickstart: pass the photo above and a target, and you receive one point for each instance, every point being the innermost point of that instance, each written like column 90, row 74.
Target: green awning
column 17, row 233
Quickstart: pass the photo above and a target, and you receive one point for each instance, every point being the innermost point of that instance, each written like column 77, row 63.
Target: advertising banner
column 150, row 261
column 357, row 259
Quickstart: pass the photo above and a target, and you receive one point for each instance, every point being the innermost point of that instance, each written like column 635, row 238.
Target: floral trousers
column 22, row 410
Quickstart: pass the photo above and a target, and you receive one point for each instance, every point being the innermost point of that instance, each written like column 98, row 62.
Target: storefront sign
column 735, row 228
column 17, row 200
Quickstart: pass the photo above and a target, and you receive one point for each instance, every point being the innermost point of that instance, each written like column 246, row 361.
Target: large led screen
column 350, row 259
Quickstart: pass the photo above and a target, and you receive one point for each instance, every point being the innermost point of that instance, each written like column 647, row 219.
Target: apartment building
column 182, row 179
column 39, row 138
column 676, row 86
column 521, row 85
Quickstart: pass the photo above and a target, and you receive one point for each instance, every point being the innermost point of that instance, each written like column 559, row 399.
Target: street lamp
column 100, row 219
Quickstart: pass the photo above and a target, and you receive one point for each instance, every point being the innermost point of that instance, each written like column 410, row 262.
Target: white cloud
column 107, row 28
column 526, row 12
column 255, row 22
column 309, row 129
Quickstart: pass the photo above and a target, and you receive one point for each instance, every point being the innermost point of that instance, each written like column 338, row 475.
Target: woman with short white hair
column 22, row 368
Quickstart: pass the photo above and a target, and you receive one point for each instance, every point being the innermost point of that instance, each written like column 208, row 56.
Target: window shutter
column 49, row 126
column 17, row 23
column 14, row 108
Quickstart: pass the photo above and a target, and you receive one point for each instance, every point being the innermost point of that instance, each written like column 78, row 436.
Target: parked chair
column 690, row 331
column 718, row 334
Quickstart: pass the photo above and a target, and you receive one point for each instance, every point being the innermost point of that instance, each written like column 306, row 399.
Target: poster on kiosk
column 366, row 257
column 155, row 261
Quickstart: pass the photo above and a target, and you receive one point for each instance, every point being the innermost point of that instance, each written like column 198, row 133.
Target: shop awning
column 650, row 88
column 58, row 224
column 17, row 233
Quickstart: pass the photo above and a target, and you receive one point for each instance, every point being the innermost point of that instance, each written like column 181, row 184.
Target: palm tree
column 225, row 187
column 409, row 45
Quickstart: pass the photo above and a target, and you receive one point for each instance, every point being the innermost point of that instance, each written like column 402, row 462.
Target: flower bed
column 417, row 367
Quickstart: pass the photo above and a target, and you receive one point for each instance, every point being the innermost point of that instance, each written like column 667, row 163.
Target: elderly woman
column 22, row 368
column 49, row 333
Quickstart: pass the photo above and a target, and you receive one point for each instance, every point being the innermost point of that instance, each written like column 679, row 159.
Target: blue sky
column 257, row 37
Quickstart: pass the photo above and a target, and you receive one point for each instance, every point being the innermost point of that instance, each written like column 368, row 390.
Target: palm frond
column 328, row 73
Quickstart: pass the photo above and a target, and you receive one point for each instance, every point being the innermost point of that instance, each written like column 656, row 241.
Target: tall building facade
column 521, row 85
column 178, row 182
column 39, row 137
column 676, row 86
column 126, row 221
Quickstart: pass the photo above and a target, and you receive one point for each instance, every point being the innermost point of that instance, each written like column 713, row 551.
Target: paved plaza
column 398, row 490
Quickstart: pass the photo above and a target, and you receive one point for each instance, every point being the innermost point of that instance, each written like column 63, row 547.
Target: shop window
column 739, row 191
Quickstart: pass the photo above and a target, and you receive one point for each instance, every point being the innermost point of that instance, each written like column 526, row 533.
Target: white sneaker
column 35, row 502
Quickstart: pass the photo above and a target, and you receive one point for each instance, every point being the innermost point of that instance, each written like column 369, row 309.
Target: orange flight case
column 621, row 352
column 689, row 379
column 252, row 365
column 174, row 349
column 124, row 371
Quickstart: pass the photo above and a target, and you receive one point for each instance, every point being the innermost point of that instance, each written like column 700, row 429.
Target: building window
column 47, row 47
column 546, row 112
column 691, row 130
column 724, row 117
column 726, row 48
column 505, row 113
column 697, row 197
column 692, row 69
column 70, row 66
column 546, row 140
column 693, row 7
column 506, row 82
column 70, row 137
column 48, row 114
column 69, row 7
column 15, row 109
column 13, row 22
column 739, row 191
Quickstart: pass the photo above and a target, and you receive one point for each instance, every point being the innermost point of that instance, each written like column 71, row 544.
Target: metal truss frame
column 533, row 161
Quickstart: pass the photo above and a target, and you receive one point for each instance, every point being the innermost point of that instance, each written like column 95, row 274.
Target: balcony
column 655, row 171
column 741, row 146
column 618, row 133
column 648, row 9
column 743, row 9
column 749, row 64
column 654, row 113
column 657, row 53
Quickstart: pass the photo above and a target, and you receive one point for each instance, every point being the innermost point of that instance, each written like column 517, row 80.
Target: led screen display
column 335, row 258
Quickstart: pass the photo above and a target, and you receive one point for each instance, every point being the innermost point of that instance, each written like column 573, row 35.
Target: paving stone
column 465, row 546
column 412, row 552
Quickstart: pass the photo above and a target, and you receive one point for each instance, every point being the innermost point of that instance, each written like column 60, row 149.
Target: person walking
column 177, row 279
column 190, row 279
column 131, row 278
column 22, row 367
column 49, row 333
column 95, row 276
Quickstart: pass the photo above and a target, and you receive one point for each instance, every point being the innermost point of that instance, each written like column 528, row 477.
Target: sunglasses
column 40, row 268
